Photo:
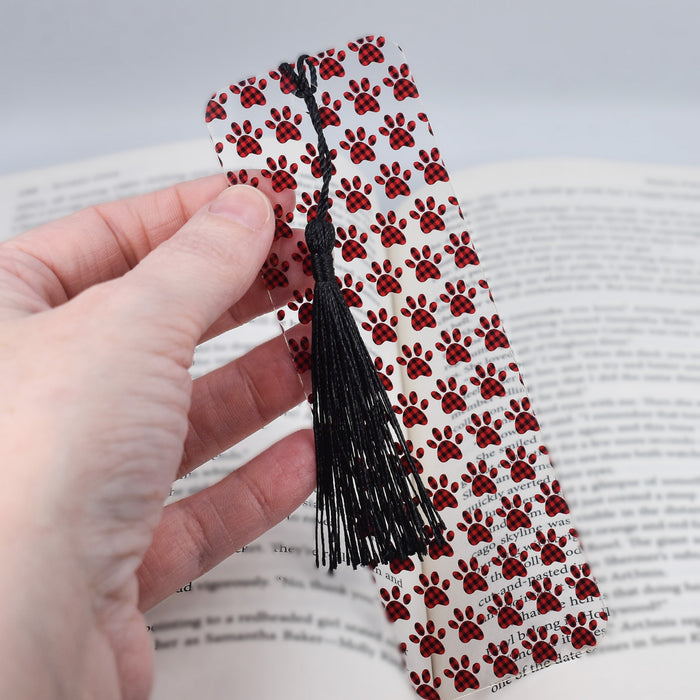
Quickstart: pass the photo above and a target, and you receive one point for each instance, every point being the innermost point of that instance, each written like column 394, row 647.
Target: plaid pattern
column 368, row 50
column 328, row 116
column 506, row 610
column 519, row 468
column 394, row 608
column 553, row 502
column 454, row 347
column 463, row 677
column 546, row 596
column 431, row 221
column 351, row 243
column 472, row 575
column 430, row 645
column 273, row 272
column 459, row 304
column 361, row 151
column 432, row 590
column 581, row 635
column 551, row 553
column 436, row 549
column 503, row 664
column 400, row 138
column 493, row 337
column 394, row 181
column 510, row 561
column 477, row 532
column 491, row 387
column 355, row 200
column 465, row 625
column 583, row 586
column 363, row 96
column 420, row 318
column 438, row 492
column 330, row 67
column 411, row 415
column 399, row 81
column 544, row 651
column 486, row 436
column 446, row 448
column 389, row 229
column 301, row 354
column 246, row 145
column 214, row 111
column 514, row 515
column 421, row 262
column 481, row 478
column 451, row 402
column 423, row 690
column 250, row 94
column 382, row 332
column 415, row 365
column 387, row 283
column 285, row 130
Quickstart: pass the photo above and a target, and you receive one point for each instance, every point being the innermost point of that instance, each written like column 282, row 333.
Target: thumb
column 204, row 268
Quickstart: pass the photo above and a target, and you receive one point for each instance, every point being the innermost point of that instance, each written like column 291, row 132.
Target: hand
column 100, row 314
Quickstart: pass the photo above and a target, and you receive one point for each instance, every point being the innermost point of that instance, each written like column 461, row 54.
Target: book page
column 595, row 269
column 266, row 620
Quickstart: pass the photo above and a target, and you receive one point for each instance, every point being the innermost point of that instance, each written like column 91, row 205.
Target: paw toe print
column 432, row 590
column 428, row 638
column 395, row 604
column 398, row 131
column 446, row 447
column 313, row 160
column 550, row 547
column 395, row 181
column 381, row 327
column 542, row 647
column 351, row 243
column 215, row 109
column 302, row 304
column 385, row 277
column 425, row 686
column 420, row 312
column 368, row 49
column 285, row 124
column 554, row 503
column 484, row 429
column 460, row 248
column 493, row 336
column 546, row 595
column 250, row 92
column 472, row 575
column 281, row 177
column 459, row 298
column 432, row 167
column 584, row 586
column 442, row 492
column 481, row 478
column 450, row 395
column 390, row 229
column 476, row 526
column 400, row 80
column 328, row 111
column 507, row 610
column 359, row 145
column 424, row 263
column 416, row 364
column 520, row 464
column 274, row 272
column 515, row 512
column 462, row 676
column 384, row 373
column 511, row 561
column 454, row 346
column 355, row 195
column 363, row 96
column 467, row 624
column 351, row 291
column 489, row 381
column 301, row 354
column 502, row 658
column 411, row 409
column 429, row 215
column 330, row 64
column 521, row 415
column 581, row 632
column 245, row 138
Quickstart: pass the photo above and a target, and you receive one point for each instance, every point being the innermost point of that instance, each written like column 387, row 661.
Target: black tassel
column 371, row 505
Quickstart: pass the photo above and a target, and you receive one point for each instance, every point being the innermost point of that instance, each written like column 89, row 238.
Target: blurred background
column 500, row 79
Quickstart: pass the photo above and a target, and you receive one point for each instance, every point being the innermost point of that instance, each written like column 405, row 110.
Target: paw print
column 489, row 381
column 438, row 548
column 554, row 503
column 385, row 278
column 468, row 625
column 302, row 304
column 580, row 632
column 482, row 430
column 390, row 229
column 476, row 527
column 432, row 166
column 442, row 493
column 328, row 111
column 363, row 96
column 400, row 80
column 520, row 413
column 494, row 338
column 425, row 686
column 280, row 177
column 520, row 464
column 398, row 131
column 282, row 227
column 383, row 373
column 274, row 272
column 245, row 138
column 382, row 326
column 432, row 590
column 542, row 648
column 454, row 347
column 502, row 658
column 472, row 575
column 447, row 448
column 394, row 181
column 301, row 354
column 428, row 216
column 584, row 586
column 313, row 160
column 286, row 84
column 428, row 638
column 359, row 145
column 285, row 124
column 481, row 478
column 351, row 291
column 302, row 256
column 242, row 177
column 549, row 546
column 411, row 410
column 368, row 49
column 415, row 362
column 309, row 204
column 459, row 247
column 216, row 110
column 420, row 312
column 395, row 604
column 329, row 63
column 250, row 92
column 507, row 610
column 511, row 561
column 462, row 677
column 411, row 463
column 351, row 243
column 450, row 395
column 459, row 298
column 424, row 263
column 546, row 595
column 515, row 512
column 355, row 195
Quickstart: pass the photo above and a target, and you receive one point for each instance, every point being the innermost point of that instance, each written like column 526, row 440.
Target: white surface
column 500, row 79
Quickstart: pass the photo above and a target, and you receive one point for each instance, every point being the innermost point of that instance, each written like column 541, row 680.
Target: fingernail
column 244, row 205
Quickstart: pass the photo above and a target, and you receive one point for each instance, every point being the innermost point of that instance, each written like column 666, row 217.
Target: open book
column 594, row 269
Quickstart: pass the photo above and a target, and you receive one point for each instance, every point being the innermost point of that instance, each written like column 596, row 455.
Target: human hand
column 100, row 314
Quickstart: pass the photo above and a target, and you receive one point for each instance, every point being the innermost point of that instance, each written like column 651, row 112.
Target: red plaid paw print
column 351, row 243
column 363, row 96
column 445, row 446
column 442, row 492
column 494, row 338
column 433, row 590
column 580, row 581
column 359, row 145
column 481, row 477
column 520, row 413
column 416, row 364
column 462, row 676
column 395, row 604
column 420, row 312
column 284, row 124
column 472, row 575
column 284, row 230
column 546, row 595
column 329, row 64
column 550, row 547
column 459, row 247
column 301, row 354
column 428, row 638
column 520, row 464
column 515, row 512
column 245, row 138
column 385, row 277
column 554, row 503
column 459, row 298
column 280, row 175
column 400, row 80
column 454, row 346
column 432, row 167
column 384, row 373
column 398, row 131
column 302, row 304
column 467, row 624
column 502, row 658
column 507, row 610
column 381, row 326
column 450, row 395
column 425, row 263
column 511, row 561
column 425, row 686
column 489, row 382
column 309, row 204
column 394, row 180
column 215, row 110
column 351, row 290
column 312, row 159
column 250, row 92
column 484, row 429
column 390, row 229
column 581, row 631
column 441, row 548
column 274, row 272
column 542, row 647
column 429, row 215
column 412, row 409
column 355, row 194
column 242, row 177
column 328, row 111
column 476, row 526
column 368, row 49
